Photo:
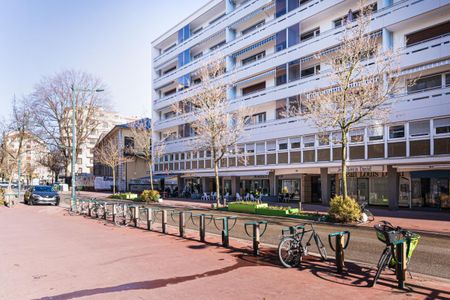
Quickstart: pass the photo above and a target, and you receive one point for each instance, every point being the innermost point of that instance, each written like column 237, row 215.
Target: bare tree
column 53, row 161
column 109, row 153
column 144, row 148
column 362, row 76
column 13, row 136
column 218, row 127
column 53, row 110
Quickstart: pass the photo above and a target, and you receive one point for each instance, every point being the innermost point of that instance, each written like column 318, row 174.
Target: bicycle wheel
column 320, row 246
column 289, row 252
column 382, row 264
column 100, row 211
column 128, row 216
column 119, row 218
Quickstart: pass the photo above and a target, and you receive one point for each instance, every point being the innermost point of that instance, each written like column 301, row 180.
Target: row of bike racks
column 338, row 241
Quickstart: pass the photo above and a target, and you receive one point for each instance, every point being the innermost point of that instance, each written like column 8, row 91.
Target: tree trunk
column 344, row 163
column 216, row 175
column 114, row 180
column 151, row 175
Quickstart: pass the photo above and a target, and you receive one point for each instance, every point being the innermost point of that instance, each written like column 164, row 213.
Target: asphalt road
column 431, row 257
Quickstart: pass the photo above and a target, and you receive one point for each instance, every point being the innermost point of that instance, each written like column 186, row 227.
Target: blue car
column 41, row 194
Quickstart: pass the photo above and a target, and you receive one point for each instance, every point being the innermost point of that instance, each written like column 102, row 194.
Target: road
column 47, row 254
column 431, row 257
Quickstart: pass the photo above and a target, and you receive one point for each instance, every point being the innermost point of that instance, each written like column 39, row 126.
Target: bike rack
column 202, row 224
column 181, row 220
column 257, row 234
column 163, row 218
column 225, row 228
column 400, row 256
column 292, row 229
column 134, row 214
column 151, row 214
column 341, row 245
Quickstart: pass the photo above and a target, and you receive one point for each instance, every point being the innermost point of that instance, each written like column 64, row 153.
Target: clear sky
column 108, row 38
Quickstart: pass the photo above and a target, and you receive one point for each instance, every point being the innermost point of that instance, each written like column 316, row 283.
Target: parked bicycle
column 293, row 248
column 98, row 208
column 81, row 207
column 366, row 214
column 123, row 214
column 388, row 234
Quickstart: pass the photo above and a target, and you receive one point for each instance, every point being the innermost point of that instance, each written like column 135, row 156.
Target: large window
column 357, row 136
column 442, row 126
column 294, row 70
column 428, row 33
column 419, row 128
column 253, row 58
column 259, row 118
column 280, row 8
column 310, row 34
column 309, row 141
column 376, row 133
column 254, row 88
column 253, row 27
column 310, row 71
column 281, row 75
column 396, row 132
column 293, row 35
column 425, row 83
column 280, row 38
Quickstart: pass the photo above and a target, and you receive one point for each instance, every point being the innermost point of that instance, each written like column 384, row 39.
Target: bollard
column 225, row 229
column 182, row 223
column 257, row 234
column 105, row 206
column 400, row 268
column 202, row 228
column 341, row 245
column 135, row 211
column 149, row 218
column 114, row 211
column 164, row 221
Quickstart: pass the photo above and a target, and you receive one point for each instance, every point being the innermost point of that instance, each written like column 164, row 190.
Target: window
column 447, row 80
column 217, row 46
column 271, row 146
column 376, row 133
column 283, row 145
column 293, row 35
column 170, row 92
column 281, row 75
column 310, row 71
column 253, row 27
column 294, row 70
column 357, row 136
column 428, row 33
column 217, row 19
column 280, row 8
column 280, row 111
column 396, row 132
column 419, row 128
column 309, row 141
column 197, row 30
column 260, row 148
column 442, row 126
column 310, row 34
column 169, row 115
column 295, row 143
column 259, row 118
column 352, row 16
column 254, row 88
column 184, row 33
column 169, row 70
column 129, row 142
column 324, row 139
column 253, row 58
column 197, row 56
column 425, row 83
column 250, row 148
column 280, row 39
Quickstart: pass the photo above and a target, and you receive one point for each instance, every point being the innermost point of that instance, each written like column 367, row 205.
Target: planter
column 245, row 207
column 276, row 212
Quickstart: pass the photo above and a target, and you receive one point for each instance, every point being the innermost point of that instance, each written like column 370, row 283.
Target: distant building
column 135, row 171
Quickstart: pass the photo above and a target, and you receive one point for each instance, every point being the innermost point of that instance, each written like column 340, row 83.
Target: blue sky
column 108, row 38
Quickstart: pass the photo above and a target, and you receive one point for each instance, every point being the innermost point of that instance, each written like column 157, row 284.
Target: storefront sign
column 362, row 169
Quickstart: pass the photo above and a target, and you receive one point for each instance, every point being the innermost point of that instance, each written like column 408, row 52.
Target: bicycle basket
column 387, row 234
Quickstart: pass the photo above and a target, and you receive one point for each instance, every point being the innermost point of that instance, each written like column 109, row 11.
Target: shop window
column 442, row 126
column 281, row 75
column 254, row 88
column 442, row 146
column 357, row 136
column 308, row 156
column 419, row 128
column 428, row 33
column 397, row 149
column 323, row 154
column 295, row 157
column 425, row 83
column 376, row 151
column 309, row 141
column 418, row 148
column 271, row 159
column 310, row 34
column 396, row 132
column 357, row 152
column 337, row 153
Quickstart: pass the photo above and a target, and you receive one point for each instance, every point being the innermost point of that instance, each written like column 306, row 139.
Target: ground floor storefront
column 379, row 185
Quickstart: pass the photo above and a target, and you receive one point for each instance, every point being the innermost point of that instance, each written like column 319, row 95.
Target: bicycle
column 99, row 208
column 81, row 208
column 123, row 214
column 292, row 248
column 388, row 234
column 366, row 214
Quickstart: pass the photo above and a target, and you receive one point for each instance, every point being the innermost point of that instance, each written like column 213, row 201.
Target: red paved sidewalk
column 425, row 221
column 46, row 254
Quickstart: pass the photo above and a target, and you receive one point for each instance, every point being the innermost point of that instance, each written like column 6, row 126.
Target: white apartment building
column 270, row 48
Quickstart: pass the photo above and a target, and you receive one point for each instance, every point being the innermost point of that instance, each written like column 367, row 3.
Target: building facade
column 271, row 51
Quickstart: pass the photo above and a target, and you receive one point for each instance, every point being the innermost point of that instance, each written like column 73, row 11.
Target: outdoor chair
column 238, row 197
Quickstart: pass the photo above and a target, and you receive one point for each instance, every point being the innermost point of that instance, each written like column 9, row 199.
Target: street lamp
column 74, row 139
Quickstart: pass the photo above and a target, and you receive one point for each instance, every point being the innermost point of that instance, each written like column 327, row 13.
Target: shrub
column 344, row 210
column 2, row 197
column 150, row 196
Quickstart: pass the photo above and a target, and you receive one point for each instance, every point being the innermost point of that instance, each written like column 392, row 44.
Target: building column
column 305, row 188
column 388, row 39
column 180, row 184
column 325, row 185
column 393, row 183
column 272, row 184
column 235, row 185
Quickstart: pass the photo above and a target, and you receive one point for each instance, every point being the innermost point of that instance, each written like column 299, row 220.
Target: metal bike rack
column 181, row 220
column 202, row 224
column 225, row 228
column 400, row 256
column 341, row 245
column 163, row 218
column 257, row 234
column 134, row 214
column 292, row 229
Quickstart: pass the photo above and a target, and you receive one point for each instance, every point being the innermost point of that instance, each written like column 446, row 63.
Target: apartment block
column 271, row 48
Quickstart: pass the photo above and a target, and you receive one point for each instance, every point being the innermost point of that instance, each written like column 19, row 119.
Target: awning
column 227, row 174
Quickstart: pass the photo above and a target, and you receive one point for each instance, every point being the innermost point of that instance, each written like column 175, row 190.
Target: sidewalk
column 105, row 262
column 433, row 222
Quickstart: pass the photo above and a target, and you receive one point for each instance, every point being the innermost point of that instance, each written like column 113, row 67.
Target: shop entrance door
column 363, row 189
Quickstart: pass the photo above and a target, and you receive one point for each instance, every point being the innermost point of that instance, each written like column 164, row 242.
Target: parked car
column 41, row 194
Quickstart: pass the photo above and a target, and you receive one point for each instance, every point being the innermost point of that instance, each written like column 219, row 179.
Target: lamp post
column 74, row 139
